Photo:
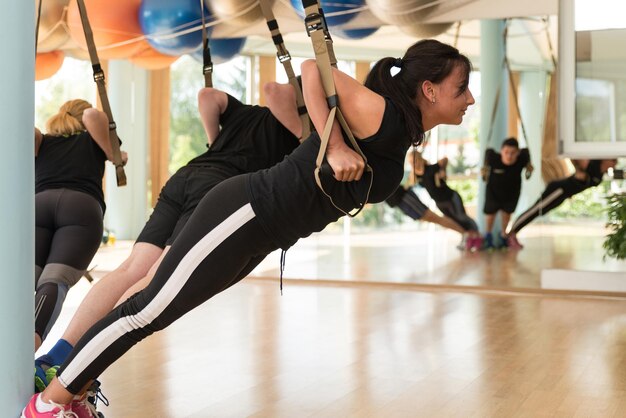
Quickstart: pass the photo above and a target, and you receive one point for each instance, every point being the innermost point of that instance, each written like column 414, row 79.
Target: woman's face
column 452, row 97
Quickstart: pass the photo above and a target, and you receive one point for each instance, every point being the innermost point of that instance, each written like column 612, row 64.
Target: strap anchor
column 98, row 75
column 283, row 55
column 314, row 22
column 207, row 69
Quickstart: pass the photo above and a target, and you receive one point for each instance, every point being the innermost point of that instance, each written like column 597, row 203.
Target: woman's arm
column 211, row 104
column 581, row 169
column 442, row 173
column 97, row 124
column 362, row 108
column 38, row 140
column 281, row 100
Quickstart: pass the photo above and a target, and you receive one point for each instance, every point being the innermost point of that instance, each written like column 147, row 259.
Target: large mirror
column 592, row 87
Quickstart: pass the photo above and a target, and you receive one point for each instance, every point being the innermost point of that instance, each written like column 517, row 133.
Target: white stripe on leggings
column 173, row 285
column 40, row 305
column 538, row 207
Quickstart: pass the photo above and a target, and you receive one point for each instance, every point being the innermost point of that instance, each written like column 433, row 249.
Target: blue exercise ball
column 163, row 18
column 354, row 33
column 222, row 50
column 333, row 6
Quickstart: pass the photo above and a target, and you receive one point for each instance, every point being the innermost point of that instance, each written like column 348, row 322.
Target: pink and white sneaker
column 513, row 243
column 474, row 244
column 59, row 411
column 83, row 408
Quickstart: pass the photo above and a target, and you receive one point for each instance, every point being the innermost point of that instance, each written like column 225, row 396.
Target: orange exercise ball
column 47, row 64
column 112, row 22
column 151, row 59
column 52, row 30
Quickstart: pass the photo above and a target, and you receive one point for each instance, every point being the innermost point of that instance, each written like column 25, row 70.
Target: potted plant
column 615, row 242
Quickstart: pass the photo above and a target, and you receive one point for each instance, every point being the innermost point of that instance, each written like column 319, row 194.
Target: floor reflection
column 430, row 257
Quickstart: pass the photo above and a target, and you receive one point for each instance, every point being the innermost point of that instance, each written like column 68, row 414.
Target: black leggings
column 555, row 193
column 412, row 206
column 222, row 242
column 454, row 209
column 67, row 235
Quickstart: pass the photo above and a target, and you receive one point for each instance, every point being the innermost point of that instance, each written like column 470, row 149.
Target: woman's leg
column 45, row 203
column 106, row 291
column 430, row 216
column 148, row 248
column 220, row 241
column 78, row 221
column 554, row 194
column 455, row 209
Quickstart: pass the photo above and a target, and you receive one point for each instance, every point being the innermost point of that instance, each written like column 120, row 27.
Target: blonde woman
column 69, row 204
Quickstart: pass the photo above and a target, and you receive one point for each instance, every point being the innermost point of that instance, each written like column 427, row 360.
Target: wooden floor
column 348, row 345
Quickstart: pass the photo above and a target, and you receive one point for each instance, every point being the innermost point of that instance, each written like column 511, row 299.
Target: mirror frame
column 568, row 147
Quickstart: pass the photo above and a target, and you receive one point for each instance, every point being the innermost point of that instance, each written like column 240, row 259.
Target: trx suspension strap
column 37, row 25
column 207, row 64
column 98, row 76
column 327, row 37
column 285, row 59
column 316, row 29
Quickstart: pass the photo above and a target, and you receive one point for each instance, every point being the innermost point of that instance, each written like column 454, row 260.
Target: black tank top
column 73, row 162
column 251, row 139
column 505, row 181
column 573, row 185
column 441, row 193
column 290, row 206
column 594, row 173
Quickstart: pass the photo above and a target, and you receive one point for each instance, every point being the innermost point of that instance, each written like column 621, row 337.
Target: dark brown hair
column 510, row 142
column 426, row 60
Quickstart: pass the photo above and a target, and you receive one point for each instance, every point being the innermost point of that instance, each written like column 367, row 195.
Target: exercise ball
column 112, row 22
column 237, row 12
column 425, row 30
column 151, row 59
column 222, row 50
column 401, row 12
column 331, row 7
column 354, row 33
column 47, row 64
column 162, row 20
column 76, row 53
column 52, row 32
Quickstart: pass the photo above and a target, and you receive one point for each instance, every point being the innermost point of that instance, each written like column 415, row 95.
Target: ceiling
column 456, row 22
column 528, row 44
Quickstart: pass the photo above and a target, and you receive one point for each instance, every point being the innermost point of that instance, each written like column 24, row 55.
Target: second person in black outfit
column 503, row 173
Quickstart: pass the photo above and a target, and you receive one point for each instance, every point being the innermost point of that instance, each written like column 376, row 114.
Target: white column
column 17, row 210
column 532, row 102
column 492, row 75
column 128, row 93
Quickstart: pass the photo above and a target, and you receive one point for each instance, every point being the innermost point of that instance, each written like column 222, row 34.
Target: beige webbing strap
column 316, row 28
column 98, row 76
column 329, row 40
column 207, row 63
column 284, row 57
column 515, row 100
column 37, row 25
